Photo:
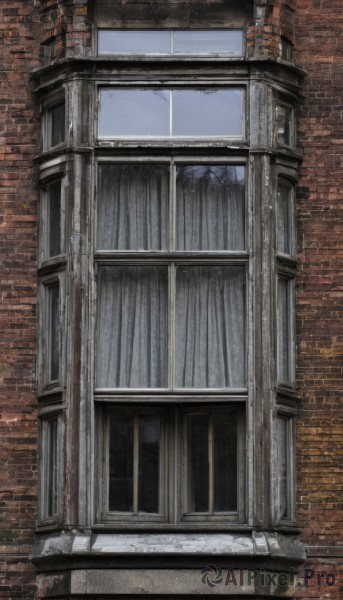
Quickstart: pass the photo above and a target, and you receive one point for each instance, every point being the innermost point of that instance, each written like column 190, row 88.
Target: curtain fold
column 133, row 208
column 210, row 329
column 210, row 207
column 132, row 327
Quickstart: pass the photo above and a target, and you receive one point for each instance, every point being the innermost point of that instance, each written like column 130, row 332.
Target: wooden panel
column 173, row 13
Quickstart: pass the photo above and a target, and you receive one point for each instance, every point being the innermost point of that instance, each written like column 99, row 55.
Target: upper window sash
column 171, row 113
column 163, row 42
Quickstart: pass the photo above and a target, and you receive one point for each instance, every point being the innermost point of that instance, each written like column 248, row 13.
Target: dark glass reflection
column 198, row 463
column 283, row 320
column 283, row 125
column 225, row 460
column 121, row 462
column 149, row 463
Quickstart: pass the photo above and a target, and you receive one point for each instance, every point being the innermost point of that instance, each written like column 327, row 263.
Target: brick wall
column 19, row 51
column 319, row 49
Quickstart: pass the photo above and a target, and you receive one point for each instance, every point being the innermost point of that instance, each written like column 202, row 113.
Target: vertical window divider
column 171, row 41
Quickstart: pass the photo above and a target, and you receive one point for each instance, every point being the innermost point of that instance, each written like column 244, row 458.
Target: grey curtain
column 210, row 346
column 132, row 327
column 210, row 207
column 133, row 203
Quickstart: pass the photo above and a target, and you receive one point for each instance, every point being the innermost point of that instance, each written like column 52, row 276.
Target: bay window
column 167, row 277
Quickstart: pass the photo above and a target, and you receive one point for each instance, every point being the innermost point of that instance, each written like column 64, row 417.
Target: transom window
column 165, row 112
column 210, row 41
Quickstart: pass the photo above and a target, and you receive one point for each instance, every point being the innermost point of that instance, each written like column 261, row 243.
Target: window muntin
column 285, row 218
column 206, row 42
column 149, row 113
column 285, row 330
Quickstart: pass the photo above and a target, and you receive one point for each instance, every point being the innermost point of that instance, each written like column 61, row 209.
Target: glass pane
column 210, row 207
column 52, row 468
column 208, row 41
column 284, row 219
column 54, row 327
column 57, row 118
column 134, row 112
column 198, row 462
column 133, row 205
column 225, row 460
column 283, row 330
column 283, row 125
column 210, row 112
column 54, row 218
column 149, row 464
column 282, row 467
column 132, row 327
column 210, row 327
column 133, row 42
column 121, row 462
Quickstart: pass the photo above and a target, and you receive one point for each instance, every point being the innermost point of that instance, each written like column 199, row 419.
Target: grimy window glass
column 52, row 475
column 210, row 41
column 285, row 333
column 284, row 464
column 285, row 218
column 283, row 125
column 54, row 218
column 56, row 125
column 134, row 112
